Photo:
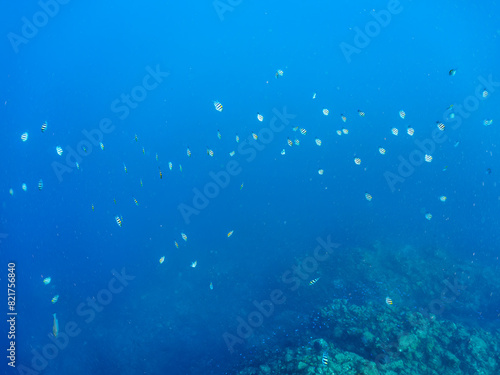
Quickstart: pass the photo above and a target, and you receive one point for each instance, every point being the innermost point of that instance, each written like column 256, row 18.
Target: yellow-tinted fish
column 184, row 237
column 237, row 138
column 55, row 298
column 135, row 201
column 218, row 106
column 241, row 186
column 161, row 174
column 395, row 131
column 170, row 165
column 410, row 131
column 402, row 114
column 124, row 167
column 231, row 153
column 368, row 197
column 156, row 156
column 388, row 301
column 162, row 259
column 92, row 206
column 230, row 233
column 357, row 161
column 320, row 172
column 343, row 118
column 135, row 137
column 443, row 198
column 55, row 326
column 428, row 158
column 219, row 135
column 318, row 141
column 314, row 281
column 44, row 126
column 303, row 131
column 47, row 280
column 254, row 136
column 141, row 182
column 326, row 111
column 289, row 141
column 210, row 152
column 279, row 73
column 211, row 286
column 325, row 359
column 381, row 150
column 143, row 151
column 118, row 220
column 188, row 152
column 176, row 244
column 345, row 131
column 101, row 145
column 440, row 125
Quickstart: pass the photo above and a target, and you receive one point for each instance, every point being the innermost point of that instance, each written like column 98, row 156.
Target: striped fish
column 314, row 281
column 218, row 106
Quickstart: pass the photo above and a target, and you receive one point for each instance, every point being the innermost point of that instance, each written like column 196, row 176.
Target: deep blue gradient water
column 173, row 60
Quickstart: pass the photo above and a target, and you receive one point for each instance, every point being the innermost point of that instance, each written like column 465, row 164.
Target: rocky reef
column 443, row 319
column 376, row 339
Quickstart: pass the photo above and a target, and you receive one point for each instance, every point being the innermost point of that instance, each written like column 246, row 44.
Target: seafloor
column 443, row 320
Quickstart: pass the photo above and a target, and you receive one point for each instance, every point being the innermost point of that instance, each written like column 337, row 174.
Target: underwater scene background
column 238, row 187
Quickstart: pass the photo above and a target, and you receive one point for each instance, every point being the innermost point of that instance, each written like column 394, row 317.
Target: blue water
column 173, row 60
